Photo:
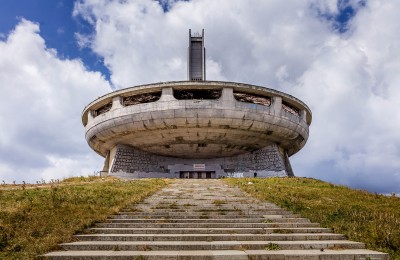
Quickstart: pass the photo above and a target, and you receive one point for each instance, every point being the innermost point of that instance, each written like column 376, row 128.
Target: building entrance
column 197, row 174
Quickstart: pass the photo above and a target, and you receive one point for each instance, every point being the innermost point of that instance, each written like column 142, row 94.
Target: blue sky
column 57, row 26
column 338, row 56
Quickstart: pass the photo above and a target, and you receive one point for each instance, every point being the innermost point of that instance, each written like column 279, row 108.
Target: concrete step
column 211, row 237
column 212, row 245
column 193, row 215
column 206, row 219
column 123, row 223
column 211, row 211
column 192, row 203
column 219, row 220
column 206, row 230
column 353, row 254
column 172, row 206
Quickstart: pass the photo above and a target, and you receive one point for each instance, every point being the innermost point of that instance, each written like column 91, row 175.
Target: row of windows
column 197, row 94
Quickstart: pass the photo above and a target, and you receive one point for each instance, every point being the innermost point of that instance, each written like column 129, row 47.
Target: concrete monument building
column 196, row 128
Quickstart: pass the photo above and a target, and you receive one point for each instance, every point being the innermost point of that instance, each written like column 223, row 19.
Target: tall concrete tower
column 196, row 56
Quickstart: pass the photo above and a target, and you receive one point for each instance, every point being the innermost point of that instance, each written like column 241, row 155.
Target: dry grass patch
column 218, row 202
column 272, row 247
column 283, row 231
column 361, row 216
column 35, row 221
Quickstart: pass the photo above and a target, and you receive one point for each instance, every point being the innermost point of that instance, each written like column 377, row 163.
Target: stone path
column 207, row 219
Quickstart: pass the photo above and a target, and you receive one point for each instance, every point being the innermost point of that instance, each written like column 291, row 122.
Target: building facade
column 196, row 128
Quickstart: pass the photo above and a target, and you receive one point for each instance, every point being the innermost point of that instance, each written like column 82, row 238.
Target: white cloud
column 349, row 80
column 41, row 133
column 353, row 91
column 327, row 6
column 249, row 41
column 69, row 167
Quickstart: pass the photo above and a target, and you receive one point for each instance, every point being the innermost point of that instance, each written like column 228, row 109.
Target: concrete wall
column 129, row 162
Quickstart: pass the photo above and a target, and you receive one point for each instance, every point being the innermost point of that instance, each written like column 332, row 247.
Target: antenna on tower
column 196, row 56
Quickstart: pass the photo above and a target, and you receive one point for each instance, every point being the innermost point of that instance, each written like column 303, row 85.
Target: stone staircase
column 206, row 219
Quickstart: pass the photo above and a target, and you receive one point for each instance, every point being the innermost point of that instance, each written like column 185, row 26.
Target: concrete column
column 116, row 103
column 90, row 116
column 106, row 166
column 167, row 94
column 111, row 157
column 288, row 166
column 303, row 115
column 276, row 105
column 227, row 95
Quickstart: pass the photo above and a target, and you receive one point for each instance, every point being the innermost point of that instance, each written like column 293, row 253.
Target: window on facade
column 252, row 98
column 141, row 98
column 197, row 94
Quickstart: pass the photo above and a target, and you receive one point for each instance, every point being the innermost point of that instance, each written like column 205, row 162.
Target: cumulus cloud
column 349, row 77
column 41, row 135
column 248, row 42
column 353, row 90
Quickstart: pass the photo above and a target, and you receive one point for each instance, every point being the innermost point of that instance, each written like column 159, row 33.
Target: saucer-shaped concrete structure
column 197, row 128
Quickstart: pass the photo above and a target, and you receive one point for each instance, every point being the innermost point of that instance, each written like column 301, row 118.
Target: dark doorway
column 197, row 174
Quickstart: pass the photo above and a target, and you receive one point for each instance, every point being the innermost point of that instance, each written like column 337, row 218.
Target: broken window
column 141, row 98
column 103, row 109
column 252, row 98
column 198, row 94
column 290, row 109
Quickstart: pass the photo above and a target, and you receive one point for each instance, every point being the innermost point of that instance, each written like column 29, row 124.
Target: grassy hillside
column 34, row 220
column 361, row 216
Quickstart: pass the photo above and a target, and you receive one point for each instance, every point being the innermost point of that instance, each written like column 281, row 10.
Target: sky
column 341, row 57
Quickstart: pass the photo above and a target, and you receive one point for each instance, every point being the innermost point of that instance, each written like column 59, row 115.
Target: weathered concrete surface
column 132, row 163
column 156, row 120
column 206, row 219
column 222, row 127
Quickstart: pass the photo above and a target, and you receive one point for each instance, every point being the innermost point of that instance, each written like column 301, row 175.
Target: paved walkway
column 207, row 219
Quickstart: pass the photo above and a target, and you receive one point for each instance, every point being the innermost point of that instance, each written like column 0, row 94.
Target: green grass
column 359, row 215
column 34, row 221
column 272, row 246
